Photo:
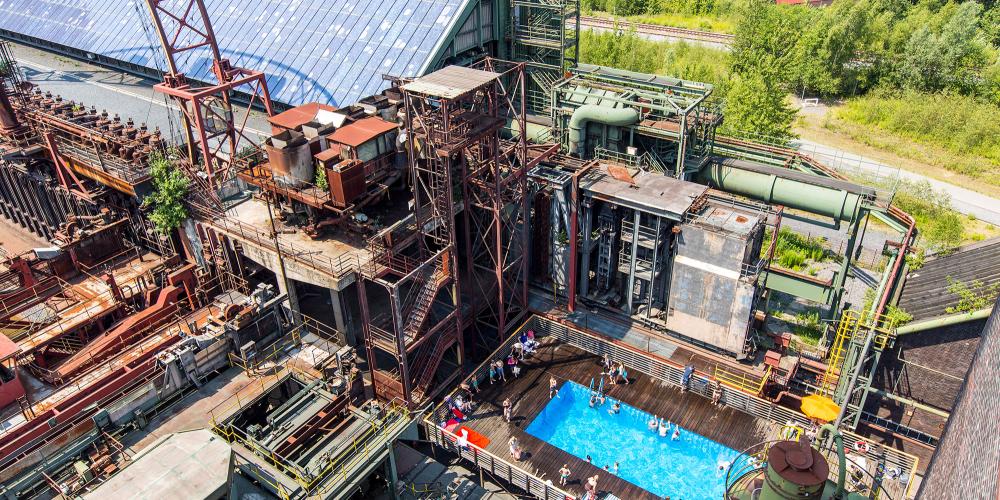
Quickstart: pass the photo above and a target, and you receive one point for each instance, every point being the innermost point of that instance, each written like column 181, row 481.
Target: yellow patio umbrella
column 820, row 408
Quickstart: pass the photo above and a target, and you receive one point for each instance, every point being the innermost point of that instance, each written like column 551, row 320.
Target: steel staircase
column 417, row 313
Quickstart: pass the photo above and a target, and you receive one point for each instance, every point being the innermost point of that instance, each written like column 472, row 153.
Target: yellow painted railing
column 854, row 326
column 742, row 381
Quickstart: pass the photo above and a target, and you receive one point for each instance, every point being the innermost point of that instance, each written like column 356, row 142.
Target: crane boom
column 213, row 133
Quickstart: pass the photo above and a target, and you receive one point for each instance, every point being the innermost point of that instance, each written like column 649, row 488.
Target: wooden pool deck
column 529, row 394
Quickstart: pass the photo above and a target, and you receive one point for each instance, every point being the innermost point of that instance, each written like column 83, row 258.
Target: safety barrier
column 339, row 267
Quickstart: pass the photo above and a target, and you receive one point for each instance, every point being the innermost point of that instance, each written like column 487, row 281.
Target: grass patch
column 955, row 132
column 797, row 252
column 808, row 327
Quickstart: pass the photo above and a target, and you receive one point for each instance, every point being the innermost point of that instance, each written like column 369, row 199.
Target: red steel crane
column 212, row 132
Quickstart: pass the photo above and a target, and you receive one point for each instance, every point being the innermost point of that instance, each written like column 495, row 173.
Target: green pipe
column 910, row 402
column 954, row 319
column 820, row 200
column 842, row 460
column 620, row 117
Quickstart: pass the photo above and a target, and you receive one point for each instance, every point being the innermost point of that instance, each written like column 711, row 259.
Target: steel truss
column 211, row 129
column 458, row 162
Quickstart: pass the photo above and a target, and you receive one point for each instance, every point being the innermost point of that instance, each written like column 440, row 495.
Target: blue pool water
column 683, row 469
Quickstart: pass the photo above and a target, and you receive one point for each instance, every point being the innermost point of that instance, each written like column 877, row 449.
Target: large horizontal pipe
column 910, row 402
column 955, row 319
column 593, row 113
column 764, row 185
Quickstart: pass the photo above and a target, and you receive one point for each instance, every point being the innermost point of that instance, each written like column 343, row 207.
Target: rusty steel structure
column 211, row 129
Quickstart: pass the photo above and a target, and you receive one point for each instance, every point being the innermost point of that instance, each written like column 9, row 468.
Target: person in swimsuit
column 552, row 387
column 563, row 475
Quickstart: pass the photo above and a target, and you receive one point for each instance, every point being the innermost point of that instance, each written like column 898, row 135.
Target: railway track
column 659, row 30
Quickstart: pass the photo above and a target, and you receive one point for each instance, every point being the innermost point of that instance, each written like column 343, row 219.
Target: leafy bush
column 170, row 186
column 627, row 50
column 972, row 296
column 794, row 250
column 940, row 228
column 321, row 181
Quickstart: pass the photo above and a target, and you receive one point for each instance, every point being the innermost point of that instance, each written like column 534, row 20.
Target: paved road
column 963, row 200
column 133, row 96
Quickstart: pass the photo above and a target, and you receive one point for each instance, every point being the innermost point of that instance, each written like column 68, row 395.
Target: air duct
column 620, row 117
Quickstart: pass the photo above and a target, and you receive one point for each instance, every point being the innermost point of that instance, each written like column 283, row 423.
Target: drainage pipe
column 838, row 439
column 620, row 117
column 954, row 319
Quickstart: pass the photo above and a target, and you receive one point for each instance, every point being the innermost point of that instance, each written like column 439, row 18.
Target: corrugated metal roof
column 361, row 131
column 329, row 51
column 967, row 461
column 299, row 115
column 450, row 82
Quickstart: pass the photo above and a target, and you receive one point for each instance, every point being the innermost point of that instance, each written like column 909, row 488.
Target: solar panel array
column 330, row 51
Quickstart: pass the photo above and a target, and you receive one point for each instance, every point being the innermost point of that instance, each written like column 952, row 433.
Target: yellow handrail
column 742, row 381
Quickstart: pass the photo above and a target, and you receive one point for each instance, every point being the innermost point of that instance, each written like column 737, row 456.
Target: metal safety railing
column 338, row 267
column 391, row 419
column 742, row 381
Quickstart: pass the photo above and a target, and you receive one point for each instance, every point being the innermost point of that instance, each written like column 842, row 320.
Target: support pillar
column 631, row 265
column 585, row 256
column 287, row 287
column 392, row 473
column 338, row 306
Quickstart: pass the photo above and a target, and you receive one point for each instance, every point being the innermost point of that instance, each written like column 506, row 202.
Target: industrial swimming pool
column 687, row 468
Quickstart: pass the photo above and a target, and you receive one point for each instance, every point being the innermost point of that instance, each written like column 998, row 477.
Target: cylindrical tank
column 290, row 159
column 794, row 470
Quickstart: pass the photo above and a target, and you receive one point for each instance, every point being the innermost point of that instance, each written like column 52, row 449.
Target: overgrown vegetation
column 625, row 49
column 906, row 50
column 893, row 315
column 795, row 251
column 708, row 15
column 963, row 130
column 972, row 296
column 940, row 227
column 321, row 182
column 808, row 327
column 170, row 186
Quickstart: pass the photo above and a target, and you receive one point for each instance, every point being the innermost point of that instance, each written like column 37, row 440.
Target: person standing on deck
column 552, row 386
column 563, row 475
column 503, row 376
column 515, row 449
column 507, row 408
column 591, row 487
column 622, row 373
column 493, row 372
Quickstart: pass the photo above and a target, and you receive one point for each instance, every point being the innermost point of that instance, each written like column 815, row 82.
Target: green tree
column 830, row 41
column 757, row 105
column 945, row 58
column 170, row 186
